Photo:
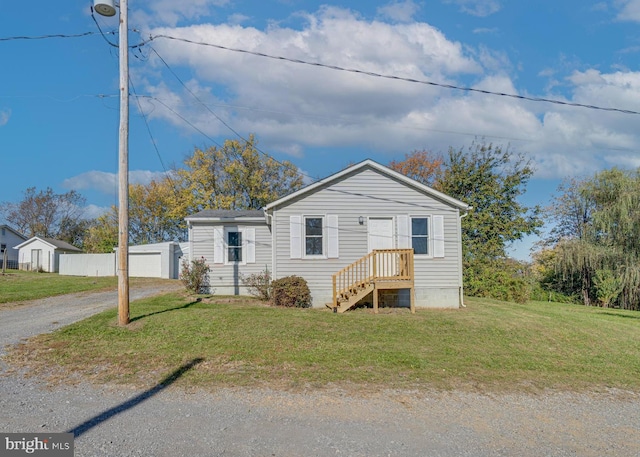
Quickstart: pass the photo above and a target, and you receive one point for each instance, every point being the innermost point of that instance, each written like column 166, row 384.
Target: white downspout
column 190, row 238
column 269, row 219
column 461, row 290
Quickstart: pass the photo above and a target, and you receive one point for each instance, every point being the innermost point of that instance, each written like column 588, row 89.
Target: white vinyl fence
column 88, row 264
column 160, row 260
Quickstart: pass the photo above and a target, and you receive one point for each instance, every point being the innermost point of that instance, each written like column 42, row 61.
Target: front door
column 380, row 231
column 36, row 259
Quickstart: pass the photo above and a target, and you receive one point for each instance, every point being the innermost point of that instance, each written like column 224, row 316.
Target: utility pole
column 123, row 171
column 107, row 8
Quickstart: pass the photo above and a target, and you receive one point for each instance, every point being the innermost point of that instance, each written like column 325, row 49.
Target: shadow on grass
column 104, row 416
column 620, row 315
column 187, row 305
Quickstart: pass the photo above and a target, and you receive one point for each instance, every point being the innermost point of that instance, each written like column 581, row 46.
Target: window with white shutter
column 438, row 236
column 295, row 237
column 218, row 245
column 332, row 236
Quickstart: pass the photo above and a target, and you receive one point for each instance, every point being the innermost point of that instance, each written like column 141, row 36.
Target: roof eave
column 224, row 219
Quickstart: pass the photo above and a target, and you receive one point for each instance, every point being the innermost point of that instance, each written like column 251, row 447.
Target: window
column 420, row 235
column 313, row 236
column 3, row 247
column 234, row 246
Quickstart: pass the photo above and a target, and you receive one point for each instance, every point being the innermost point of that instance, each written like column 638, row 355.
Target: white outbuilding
column 43, row 254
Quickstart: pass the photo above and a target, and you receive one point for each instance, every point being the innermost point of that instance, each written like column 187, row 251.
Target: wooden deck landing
column 379, row 270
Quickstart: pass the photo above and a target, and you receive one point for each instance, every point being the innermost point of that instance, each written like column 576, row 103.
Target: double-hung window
column 313, row 236
column 234, row 247
column 420, row 235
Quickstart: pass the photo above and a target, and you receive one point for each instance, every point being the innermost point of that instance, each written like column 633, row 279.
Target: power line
column 44, row 37
column 337, row 68
column 153, row 140
column 291, row 166
column 398, row 78
column 196, row 97
column 181, row 117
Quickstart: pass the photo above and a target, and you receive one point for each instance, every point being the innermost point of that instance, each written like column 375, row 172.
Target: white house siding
column 10, row 239
column 368, row 193
column 226, row 279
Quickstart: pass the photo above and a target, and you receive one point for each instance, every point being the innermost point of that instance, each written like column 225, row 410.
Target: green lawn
column 490, row 345
column 18, row 286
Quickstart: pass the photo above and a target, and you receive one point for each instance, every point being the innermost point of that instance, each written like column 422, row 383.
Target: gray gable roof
column 227, row 214
column 61, row 244
column 15, row 232
column 368, row 163
column 58, row 244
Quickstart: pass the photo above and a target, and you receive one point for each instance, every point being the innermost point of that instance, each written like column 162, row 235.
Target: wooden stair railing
column 380, row 269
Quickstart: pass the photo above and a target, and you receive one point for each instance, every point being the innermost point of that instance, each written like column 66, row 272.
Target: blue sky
column 59, row 102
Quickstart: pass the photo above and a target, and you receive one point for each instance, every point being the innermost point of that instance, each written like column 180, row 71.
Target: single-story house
column 8, row 239
column 40, row 253
column 365, row 233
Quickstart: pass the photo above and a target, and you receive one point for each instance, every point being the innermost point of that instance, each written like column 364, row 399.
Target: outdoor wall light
column 361, row 220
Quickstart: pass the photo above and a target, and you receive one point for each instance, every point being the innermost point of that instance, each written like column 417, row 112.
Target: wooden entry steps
column 381, row 269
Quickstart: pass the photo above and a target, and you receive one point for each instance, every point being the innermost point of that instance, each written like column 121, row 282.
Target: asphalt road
column 167, row 421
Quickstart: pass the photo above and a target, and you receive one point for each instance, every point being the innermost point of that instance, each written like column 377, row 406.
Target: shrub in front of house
column 291, row 291
column 195, row 275
column 258, row 284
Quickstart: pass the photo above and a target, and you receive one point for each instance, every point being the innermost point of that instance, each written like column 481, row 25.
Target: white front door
column 36, row 259
column 381, row 237
column 380, row 233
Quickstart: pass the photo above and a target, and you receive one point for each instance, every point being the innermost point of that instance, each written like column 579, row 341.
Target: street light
column 107, row 8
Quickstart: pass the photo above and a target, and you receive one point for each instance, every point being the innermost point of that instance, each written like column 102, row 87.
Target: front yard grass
column 18, row 286
column 490, row 346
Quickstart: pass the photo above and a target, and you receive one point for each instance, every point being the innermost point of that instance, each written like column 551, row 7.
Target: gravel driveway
column 120, row 421
column 45, row 315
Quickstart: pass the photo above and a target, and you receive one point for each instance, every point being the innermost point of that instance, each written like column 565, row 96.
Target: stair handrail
column 378, row 264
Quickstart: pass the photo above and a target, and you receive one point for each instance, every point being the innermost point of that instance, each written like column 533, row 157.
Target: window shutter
column 404, row 238
column 250, row 241
column 332, row 236
column 218, row 245
column 295, row 237
column 438, row 236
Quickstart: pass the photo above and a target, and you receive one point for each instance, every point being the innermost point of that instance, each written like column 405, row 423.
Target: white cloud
column 629, row 10
column 98, row 180
column 237, row 18
column 291, row 104
column 293, row 108
column 486, row 30
column 107, row 182
column 171, row 12
column 94, row 211
column 5, row 114
column 479, row 8
column 399, row 11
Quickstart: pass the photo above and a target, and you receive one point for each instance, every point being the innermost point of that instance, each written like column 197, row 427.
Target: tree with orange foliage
column 423, row 166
